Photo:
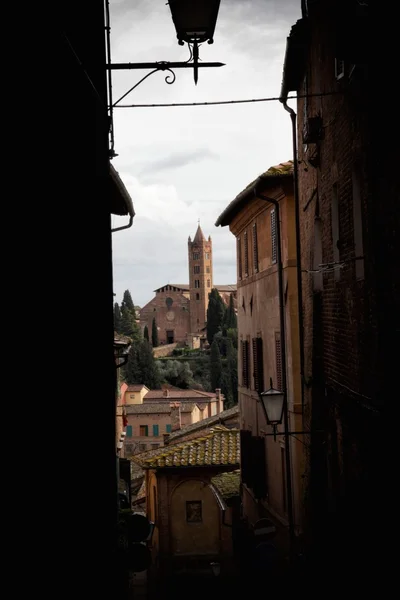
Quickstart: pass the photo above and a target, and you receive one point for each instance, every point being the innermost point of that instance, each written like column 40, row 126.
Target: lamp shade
column 194, row 20
column 272, row 401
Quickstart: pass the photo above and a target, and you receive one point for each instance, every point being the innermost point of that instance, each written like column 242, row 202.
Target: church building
column 180, row 309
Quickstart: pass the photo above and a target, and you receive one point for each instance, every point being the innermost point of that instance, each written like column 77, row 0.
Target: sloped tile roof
column 227, row 484
column 220, row 447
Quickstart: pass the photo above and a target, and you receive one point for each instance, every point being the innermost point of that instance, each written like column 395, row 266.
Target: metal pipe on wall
column 284, row 378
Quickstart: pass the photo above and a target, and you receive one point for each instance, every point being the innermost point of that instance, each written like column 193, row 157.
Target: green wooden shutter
column 129, row 431
column 155, row 430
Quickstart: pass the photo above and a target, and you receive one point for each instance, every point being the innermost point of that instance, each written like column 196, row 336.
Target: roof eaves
column 126, row 207
column 268, row 179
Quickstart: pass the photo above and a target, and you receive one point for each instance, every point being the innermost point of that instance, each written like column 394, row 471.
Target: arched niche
column 195, row 519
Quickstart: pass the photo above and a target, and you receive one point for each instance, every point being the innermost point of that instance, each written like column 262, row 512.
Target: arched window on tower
column 207, row 256
column 197, row 296
column 208, row 283
column 197, row 283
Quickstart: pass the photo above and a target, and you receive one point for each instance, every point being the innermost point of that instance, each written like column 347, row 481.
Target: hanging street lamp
column 195, row 22
column 272, row 401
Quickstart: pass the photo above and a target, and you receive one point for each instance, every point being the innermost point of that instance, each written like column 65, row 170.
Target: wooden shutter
column 255, row 248
column 245, row 364
column 129, row 431
column 245, row 455
column 273, row 236
column 260, row 479
column 246, row 255
column 278, row 358
column 258, row 364
column 239, row 258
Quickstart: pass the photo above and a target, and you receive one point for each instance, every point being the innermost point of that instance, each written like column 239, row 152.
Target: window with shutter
column 246, row 255
column 258, row 364
column 273, row 236
column 245, row 364
column 278, row 358
column 260, row 480
column 239, row 258
column 255, row 248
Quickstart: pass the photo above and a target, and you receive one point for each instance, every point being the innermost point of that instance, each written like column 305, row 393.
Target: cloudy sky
column 184, row 164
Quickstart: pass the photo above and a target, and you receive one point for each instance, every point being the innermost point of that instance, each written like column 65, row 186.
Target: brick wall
column 343, row 307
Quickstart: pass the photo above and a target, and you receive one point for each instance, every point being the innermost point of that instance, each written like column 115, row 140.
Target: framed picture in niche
column 194, row 511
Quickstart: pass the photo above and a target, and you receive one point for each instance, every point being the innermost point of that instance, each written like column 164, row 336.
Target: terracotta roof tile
column 220, row 447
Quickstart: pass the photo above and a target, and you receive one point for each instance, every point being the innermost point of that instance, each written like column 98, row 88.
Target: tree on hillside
column 128, row 302
column 146, row 333
column 128, row 326
column 117, row 318
column 154, row 334
column 215, row 366
column 177, row 373
column 215, row 314
column 141, row 366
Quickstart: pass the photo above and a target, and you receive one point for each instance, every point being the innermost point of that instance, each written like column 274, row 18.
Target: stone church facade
column 180, row 310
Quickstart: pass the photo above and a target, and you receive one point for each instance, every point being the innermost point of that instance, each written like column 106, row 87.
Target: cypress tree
column 215, row 366
column 154, row 334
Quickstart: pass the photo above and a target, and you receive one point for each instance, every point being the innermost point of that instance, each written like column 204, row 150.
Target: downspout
column 124, row 226
column 283, row 100
column 284, row 378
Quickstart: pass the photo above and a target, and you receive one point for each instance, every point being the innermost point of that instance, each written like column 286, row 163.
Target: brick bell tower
column 200, row 279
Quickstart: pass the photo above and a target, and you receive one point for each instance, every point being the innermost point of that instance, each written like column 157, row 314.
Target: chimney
column 220, row 400
column 176, row 422
column 166, row 393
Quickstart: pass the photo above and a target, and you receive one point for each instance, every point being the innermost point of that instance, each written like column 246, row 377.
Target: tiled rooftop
column 227, row 484
column 204, row 423
column 156, row 408
column 136, row 387
column 220, row 447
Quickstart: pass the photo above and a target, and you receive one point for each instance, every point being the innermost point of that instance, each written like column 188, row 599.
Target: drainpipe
column 124, row 226
column 283, row 100
column 284, row 378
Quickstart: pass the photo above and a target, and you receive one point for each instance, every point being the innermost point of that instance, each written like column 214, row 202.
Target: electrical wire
column 221, row 102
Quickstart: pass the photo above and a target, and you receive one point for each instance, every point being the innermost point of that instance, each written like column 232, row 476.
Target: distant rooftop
column 156, row 408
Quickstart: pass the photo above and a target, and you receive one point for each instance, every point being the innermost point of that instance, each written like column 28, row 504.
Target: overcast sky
column 184, row 164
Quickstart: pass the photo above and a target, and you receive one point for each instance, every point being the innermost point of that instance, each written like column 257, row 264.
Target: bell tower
column 200, row 279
